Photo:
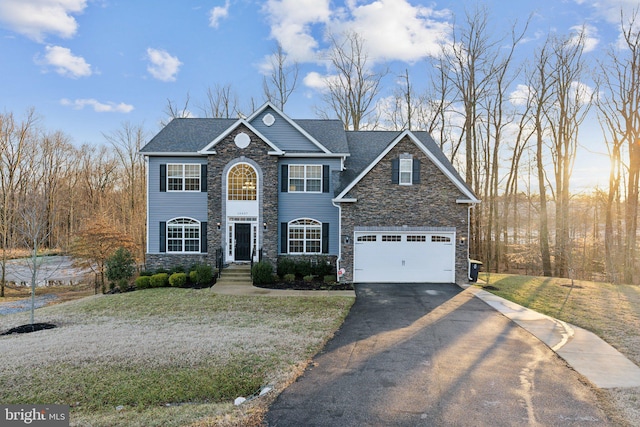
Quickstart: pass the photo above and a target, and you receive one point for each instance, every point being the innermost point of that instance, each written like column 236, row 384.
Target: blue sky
column 87, row 66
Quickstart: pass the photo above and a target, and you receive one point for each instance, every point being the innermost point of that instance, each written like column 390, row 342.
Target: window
column 368, row 238
column 183, row 235
column 305, row 236
column 305, row 178
column 416, row 238
column 387, row 238
column 406, row 169
column 183, row 177
column 242, row 182
column 443, row 239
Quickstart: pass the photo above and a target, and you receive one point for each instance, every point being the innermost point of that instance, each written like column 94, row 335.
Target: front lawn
column 164, row 357
column 610, row 311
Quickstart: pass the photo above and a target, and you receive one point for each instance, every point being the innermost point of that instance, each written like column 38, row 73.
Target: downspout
column 339, row 206
column 468, row 240
column 146, row 160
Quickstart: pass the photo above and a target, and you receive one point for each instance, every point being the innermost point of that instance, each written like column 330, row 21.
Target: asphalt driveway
column 432, row 354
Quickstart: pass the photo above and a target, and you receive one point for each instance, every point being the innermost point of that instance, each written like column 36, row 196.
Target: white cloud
column 65, row 63
column 315, row 80
column 396, row 30
column 99, row 107
column 37, row 18
column 218, row 13
column 589, row 34
column 392, row 29
column 162, row 65
column 582, row 92
column 610, row 9
column 291, row 25
column 520, row 95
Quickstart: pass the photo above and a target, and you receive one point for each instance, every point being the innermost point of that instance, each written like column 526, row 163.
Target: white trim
column 208, row 149
column 467, row 201
column 405, row 161
column 199, row 228
column 304, row 239
column 424, row 149
column 173, row 154
column 321, row 155
column 305, row 179
column 288, row 120
column 350, row 200
column 184, row 178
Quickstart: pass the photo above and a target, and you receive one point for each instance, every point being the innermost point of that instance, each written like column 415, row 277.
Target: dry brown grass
column 101, row 339
column 610, row 311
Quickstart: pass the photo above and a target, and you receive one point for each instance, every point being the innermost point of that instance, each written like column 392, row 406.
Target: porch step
column 235, row 274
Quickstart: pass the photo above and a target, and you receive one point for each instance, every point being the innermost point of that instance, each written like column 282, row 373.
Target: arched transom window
column 305, row 236
column 183, row 235
column 242, row 183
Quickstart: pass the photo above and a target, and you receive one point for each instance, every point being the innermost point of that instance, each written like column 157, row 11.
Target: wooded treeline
column 51, row 191
column 511, row 127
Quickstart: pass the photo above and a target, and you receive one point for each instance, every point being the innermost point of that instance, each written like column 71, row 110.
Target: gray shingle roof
column 329, row 133
column 189, row 135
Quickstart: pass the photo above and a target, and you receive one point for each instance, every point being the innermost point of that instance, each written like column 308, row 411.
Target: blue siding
column 316, row 206
column 283, row 135
column 164, row 206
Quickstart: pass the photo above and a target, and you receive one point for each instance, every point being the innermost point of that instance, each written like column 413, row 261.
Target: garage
column 400, row 256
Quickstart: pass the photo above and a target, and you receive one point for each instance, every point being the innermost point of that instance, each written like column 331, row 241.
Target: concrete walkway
column 584, row 351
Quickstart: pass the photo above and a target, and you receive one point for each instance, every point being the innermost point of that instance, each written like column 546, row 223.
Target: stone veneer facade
column 430, row 203
column 256, row 154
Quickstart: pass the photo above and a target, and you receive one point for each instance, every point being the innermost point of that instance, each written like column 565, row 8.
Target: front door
column 242, row 237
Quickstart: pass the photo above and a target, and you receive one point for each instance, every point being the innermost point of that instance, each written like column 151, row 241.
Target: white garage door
column 410, row 257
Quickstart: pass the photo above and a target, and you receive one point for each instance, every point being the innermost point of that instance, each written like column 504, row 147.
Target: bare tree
column 282, row 79
column 16, row 138
column 619, row 108
column 435, row 110
column 353, row 89
column 540, row 83
column 569, row 106
column 399, row 110
column 54, row 151
column 172, row 111
column 126, row 143
column 222, row 102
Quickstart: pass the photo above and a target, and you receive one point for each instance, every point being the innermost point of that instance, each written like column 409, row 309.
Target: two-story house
column 383, row 206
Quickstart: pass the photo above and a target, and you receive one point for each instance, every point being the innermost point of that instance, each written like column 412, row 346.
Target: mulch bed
column 301, row 285
column 31, row 327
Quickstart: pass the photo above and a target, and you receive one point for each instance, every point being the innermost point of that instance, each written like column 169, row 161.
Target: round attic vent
column 242, row 140
column 268, row 119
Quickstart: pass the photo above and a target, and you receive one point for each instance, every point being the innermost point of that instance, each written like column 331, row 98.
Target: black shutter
column 395, row 171
column 163, row 177
column 203, row 179
column 325, row 178
column 163, row 236
column 284, row 232
column 325, row 237
column 416, row 171
column 203, row 237
column 284, row 176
